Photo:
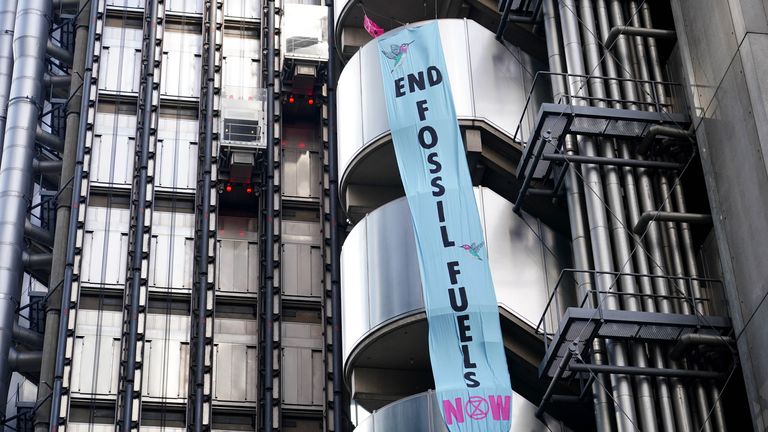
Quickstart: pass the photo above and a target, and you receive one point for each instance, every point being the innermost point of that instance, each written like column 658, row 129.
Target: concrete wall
column 723, row 47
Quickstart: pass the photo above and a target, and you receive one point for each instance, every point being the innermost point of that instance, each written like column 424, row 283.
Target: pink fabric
column 373, row 29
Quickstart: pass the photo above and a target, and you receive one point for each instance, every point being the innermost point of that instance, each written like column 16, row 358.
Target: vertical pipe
column 653, row 237
column 687, row 242
column 7, row 21
column 71, row 232
column 579, row 238
column 63, row 210
column 138, row 220
column 619, row 231
column 26, row 97
column 269, row 234
column 626, row 418
column 333, row 186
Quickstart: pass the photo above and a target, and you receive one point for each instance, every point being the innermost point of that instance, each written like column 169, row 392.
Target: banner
column 465, row 346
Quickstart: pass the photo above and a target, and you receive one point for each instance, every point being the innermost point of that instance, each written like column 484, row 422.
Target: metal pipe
column 604, row 417
column 66, row 3
column 691, row 263
column 48, row 139
column 657, row 72
column 66, row 224
column 139, row 216
column 47, row 166
column 59, row 53
column 32, row 23
column 27, row 337
column 57, row 81
column 36, row 260
column 668, row 216
column 25, row 361
column 686, row 306
column 656, row 131
column 626, row 417
column 637, row 31
column 7, row 21
column 680, row 404
column 645, row 371
column 663, row 394
column 688, row 341
column 622, row 251
column 38, row 234
column 333, row 197
column 269, row 234
column 66, row 221
column 611, row 161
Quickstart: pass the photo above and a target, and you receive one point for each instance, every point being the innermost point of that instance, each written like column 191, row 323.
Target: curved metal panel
column 350, row 110
column 487, row 81
column 381, row 279
column 420, row 413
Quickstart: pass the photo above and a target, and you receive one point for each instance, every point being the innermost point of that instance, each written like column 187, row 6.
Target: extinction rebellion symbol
column 476, row 408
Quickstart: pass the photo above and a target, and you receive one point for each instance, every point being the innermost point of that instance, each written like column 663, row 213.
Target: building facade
column 202, row 224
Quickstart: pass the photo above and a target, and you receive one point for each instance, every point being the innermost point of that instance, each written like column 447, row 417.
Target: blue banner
column 465, row 346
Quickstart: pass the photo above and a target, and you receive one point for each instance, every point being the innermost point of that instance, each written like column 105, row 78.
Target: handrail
column 651, row 83
column 688, row 279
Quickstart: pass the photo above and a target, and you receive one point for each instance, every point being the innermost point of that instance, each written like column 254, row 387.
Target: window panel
column 121, row 57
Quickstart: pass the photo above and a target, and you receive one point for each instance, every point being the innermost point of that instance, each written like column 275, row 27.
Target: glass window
column 240, row 66
column 121, row 56
column 105, row 243
column 114, row 144
column 176, row 153
column 172, row 249
column 182, row 63
column 247, row 9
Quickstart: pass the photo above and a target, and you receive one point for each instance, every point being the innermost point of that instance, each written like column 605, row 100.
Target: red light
column 302, row 145
column 291, row 99
column 311, row 101
column 228, row 188
column 249, row 189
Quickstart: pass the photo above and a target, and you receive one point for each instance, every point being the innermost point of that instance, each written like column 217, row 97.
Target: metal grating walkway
column 582, row 325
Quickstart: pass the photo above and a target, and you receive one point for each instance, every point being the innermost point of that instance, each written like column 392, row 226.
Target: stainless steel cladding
column 380, row 272
column 33, row 21
column 420, row 413
column 487, row 81
column 7, row 21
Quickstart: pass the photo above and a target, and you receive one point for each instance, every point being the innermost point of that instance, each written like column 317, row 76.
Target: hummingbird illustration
column 397, row 53
column 474, row 249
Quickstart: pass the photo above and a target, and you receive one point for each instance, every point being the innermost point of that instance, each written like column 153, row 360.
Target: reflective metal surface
column 304, row 33
column 420, row 413
column 490, row 84
column 379, row 285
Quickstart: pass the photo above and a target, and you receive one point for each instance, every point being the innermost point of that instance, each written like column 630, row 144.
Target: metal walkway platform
column 580, row 326
column 556, row 121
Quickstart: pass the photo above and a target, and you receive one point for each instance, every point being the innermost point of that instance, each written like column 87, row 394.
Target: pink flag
column 372, row 28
